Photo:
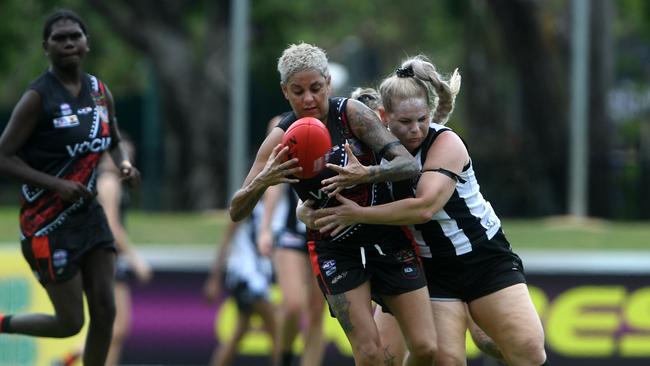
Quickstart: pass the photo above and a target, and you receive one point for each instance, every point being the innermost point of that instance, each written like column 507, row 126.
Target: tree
column 187, row 43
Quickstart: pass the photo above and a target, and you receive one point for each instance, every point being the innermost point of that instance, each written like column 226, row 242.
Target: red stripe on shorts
column 41, row 250
column 313, row 256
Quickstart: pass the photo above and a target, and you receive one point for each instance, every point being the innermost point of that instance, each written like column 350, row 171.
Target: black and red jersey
column 69, row 138
column 364, row 194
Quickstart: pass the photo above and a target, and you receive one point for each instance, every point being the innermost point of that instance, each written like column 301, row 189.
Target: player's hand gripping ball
column 309, row 141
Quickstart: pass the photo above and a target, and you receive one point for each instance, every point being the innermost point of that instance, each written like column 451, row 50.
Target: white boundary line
column 199, row 258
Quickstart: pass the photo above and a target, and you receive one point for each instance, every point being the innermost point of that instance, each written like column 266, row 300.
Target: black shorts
column 390, row 264
column 287, row 239
column 245, row 297
column 57, row 257
column 123, row 271
column 489, row 267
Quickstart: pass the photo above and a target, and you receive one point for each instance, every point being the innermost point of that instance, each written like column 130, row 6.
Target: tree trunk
column 194, row 93
column 537, row 139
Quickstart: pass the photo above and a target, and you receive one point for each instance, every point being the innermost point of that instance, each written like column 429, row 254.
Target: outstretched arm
column 269, row 168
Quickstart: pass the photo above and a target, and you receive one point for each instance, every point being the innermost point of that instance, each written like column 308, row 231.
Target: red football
column 309, row 141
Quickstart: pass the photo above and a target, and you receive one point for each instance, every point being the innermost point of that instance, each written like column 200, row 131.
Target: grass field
column 545, row 233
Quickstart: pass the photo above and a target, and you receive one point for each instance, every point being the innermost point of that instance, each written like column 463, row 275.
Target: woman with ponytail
column 466, row 256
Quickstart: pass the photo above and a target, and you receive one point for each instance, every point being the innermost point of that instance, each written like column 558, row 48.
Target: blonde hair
column 367, row 96
column 302, row 57
column 418, row 78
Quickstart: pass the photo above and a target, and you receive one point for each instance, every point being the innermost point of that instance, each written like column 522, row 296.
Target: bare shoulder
column 447, row 151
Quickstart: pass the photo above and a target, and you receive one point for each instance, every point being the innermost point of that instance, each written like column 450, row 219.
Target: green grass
column 207, row 228
column 146, row 227
column 570, row 233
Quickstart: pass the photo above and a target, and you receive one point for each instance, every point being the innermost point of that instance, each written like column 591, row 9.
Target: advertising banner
column 593, row 313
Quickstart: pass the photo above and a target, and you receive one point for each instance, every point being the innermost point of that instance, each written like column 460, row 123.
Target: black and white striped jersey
column 284, row 214
column 245, row 264
column 465, row 221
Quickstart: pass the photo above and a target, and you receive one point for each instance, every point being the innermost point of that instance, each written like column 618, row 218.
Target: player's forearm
column 402, row 212
column 15, row 168
column 400, row 168
column 245, row 199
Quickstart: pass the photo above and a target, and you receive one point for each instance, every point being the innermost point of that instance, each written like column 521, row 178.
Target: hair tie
column 405, row 72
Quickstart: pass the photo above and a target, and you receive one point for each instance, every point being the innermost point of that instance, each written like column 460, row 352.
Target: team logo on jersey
column 84, row 110
column 66, row 121
column 65, row 109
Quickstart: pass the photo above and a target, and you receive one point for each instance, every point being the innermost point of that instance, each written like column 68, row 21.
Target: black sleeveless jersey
column 69, row 138
column 364, row 194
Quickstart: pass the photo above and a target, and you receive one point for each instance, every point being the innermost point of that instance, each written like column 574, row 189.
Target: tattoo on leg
column 341, row 308
column 389, row 359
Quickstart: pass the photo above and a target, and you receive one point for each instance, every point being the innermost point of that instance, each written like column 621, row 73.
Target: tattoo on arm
column 341, row 308
column 389, row 359
column 365, row 124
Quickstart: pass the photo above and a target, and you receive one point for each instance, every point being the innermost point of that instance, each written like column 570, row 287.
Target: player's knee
column 367, row 352
column 424, row 349
column 70, row 326
column 448, row 359
column 103, row 314
column 531, row 348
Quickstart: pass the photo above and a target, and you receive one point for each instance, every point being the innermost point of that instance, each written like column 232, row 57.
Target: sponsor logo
column 329, row 266
column 65, row 109
column 66, row 121
column 59, row 258
column 95, row 145
column 410, row 271
column 339, row 277
column 84, row 110
column 318, row 195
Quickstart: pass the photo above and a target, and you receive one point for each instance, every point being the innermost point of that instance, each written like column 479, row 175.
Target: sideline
column 199, row 258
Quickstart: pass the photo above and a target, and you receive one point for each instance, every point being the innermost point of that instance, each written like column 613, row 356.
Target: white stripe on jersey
column 245, row 264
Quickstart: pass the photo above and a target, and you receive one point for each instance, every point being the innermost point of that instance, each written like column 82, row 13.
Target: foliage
column 22, row 58
column 502, row 74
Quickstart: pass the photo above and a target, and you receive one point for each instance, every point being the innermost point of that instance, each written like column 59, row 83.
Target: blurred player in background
column 115, row 200
column 283, row 237
column 246, row 276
